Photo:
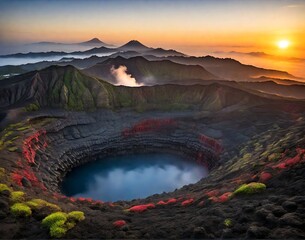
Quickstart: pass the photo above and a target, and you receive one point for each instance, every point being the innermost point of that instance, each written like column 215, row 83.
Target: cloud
column 123, row 78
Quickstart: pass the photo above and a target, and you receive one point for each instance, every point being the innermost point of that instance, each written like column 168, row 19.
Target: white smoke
column 122, row 78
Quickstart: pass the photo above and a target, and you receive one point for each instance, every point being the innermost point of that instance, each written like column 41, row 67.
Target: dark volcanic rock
column 290, row 206
column 257, row 232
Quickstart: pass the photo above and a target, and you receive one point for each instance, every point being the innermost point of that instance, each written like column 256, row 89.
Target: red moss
column 161, row 203
column 141, row 208
column 119, row 223
column 265, row 176
column 201, row 204
column 224, row 197
column 17, row 178
column 290, row 162
column 148, row 126
column 172, row 200
column 280, row 166
column 212, row 193
column 300, row 151
column 187, row 202
column 210, row 142
column 26, row 172
column 82, row 199
column 31, row 145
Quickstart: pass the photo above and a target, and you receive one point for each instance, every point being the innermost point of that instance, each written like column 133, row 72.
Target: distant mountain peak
column 93, row 41
column 134, row 44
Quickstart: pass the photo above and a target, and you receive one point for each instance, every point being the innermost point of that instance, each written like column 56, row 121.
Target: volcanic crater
column 253, row 146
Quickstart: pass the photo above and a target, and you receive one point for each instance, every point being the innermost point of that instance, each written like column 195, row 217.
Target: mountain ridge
column 69, row 88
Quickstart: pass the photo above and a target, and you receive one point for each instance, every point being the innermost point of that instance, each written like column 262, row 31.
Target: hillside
column 228, row 68
column 67, row 87
column 151, row 72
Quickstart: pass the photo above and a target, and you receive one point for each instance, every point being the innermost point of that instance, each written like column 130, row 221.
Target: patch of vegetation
column 228, row 223
column 2, row 173
column 59, row 222
column 23, row 128
column 32, row 107
column 4, row 187
column 12, row 149
column 37, row 204
column 53, row 218
column 76, row 216
column 21, row 210
column 274, row 156
column 8, row 138
column 17, row 196
column 58, row 229
column 250, row 188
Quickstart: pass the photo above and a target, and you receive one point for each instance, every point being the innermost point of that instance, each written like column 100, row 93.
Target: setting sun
column 283, row 44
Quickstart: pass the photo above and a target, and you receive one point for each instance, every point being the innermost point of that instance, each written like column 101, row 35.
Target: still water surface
column 131, row 176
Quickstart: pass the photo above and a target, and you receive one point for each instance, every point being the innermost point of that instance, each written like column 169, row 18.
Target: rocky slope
column 263, row 144
column 69, row 88
column 150, row 72
column 254, row 147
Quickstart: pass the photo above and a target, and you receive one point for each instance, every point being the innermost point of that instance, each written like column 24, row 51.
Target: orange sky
column 191, row 26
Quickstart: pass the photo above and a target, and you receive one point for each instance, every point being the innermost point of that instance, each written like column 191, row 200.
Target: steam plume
column 122, row 78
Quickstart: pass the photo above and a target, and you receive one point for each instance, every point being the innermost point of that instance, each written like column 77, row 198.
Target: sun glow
column 283, row 44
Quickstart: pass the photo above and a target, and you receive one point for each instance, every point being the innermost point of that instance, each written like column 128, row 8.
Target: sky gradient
column 187, row 25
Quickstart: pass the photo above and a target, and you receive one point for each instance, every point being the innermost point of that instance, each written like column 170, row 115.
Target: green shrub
column 274, row 156
column 23, row 128
column 12, row 149
column 250, row 188
column 228, row 223
column 37, row 204
column 21, row 210
column 58, row 229
column 4, row 187
column 59, row 223
column 76, row 216
column 53, row 218
column 32, row 107
column 2, row 172
column 17, row 196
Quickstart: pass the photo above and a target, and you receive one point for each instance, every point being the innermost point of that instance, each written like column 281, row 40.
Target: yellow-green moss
column 58, row 229
column 76, row 216
column 32, row 107
column 23, row 128
column 228, row 223
column 37, row 204
column 53, row 218
column 17, row 196
column 2, row 172
column 59, row 223
column 4, row 187
column 21, row 210
column 12, row 149
column 274, row 156
column 250, row 188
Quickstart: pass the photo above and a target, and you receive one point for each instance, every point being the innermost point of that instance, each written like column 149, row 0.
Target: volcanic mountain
column 71, row 89
column 228, row 68
column 93, row 41
column 151, row 72
column 134, row 45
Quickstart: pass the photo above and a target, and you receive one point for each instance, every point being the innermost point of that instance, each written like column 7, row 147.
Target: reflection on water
column 132, row 176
